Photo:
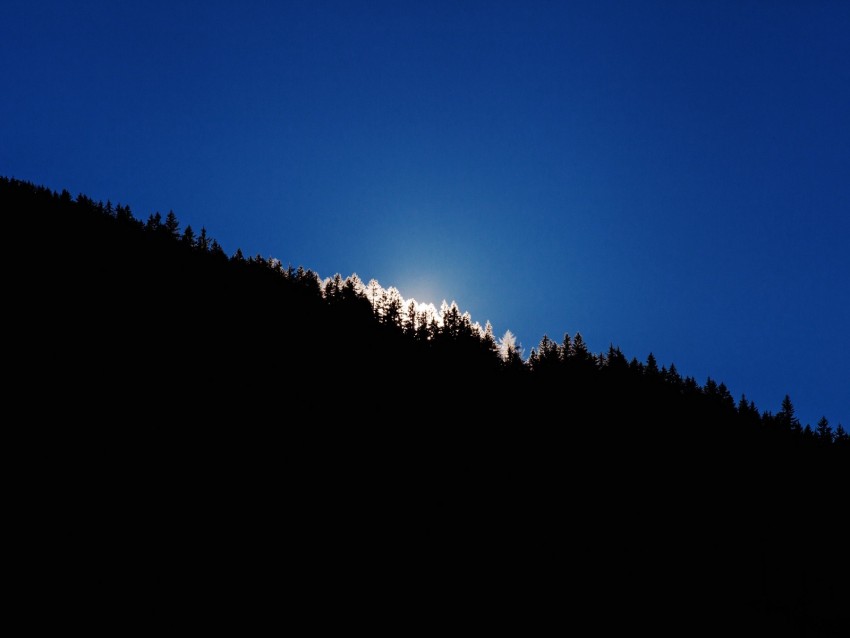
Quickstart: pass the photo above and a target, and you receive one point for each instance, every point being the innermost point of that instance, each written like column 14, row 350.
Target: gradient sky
column 670, row 177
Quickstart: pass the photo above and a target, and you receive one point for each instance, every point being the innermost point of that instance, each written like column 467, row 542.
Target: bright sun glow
column 389, row 304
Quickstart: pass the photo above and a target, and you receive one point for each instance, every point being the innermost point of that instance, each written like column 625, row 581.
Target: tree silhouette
column 203, row 243
column 786, row 418
column 409, row 324
column 188, row 237
column 154, row 222
column 841, row 438
column 823, row 431
column 510, row 351
column 96, row 240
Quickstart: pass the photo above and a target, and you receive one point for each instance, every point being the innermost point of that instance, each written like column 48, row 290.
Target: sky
column 667, row 177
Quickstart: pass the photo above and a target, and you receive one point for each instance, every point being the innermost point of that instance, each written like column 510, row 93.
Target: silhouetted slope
column 230, row 398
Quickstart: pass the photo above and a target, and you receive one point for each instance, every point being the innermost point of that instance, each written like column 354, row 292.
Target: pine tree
column 807, row 433
column 823, row 431
column 423, row 327
column 841, row 437
column 672, row 377
column 311, row 283
column 216, row 250
column 374, row 289
column 635, row 366
column 725, row 397
column 391, row 307
column 510, row 351
column 580, row 357
column 188, row 237
column 124, row 214
column 566, row 347
column 352, row 291
column 409, row 325
column 548, row 356
column 203, row 243
column 651, row 368
column 616, row 361
column 786, row 418
column 154, row 222
column 451, row 320
column 333, row 288
column 488, row 340
column 172, row 226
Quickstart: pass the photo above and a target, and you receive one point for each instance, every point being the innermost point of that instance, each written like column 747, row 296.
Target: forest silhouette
column 613, row 487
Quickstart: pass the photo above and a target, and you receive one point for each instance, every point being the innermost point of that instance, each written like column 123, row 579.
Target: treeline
column 378, row 324
column 157, row 358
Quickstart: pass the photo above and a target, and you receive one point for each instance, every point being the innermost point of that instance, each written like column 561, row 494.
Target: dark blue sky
column 670, row 177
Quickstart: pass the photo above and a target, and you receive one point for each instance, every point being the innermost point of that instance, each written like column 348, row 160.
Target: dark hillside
column 238, row 403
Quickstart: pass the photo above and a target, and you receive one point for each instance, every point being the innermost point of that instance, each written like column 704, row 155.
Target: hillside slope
column 614, row 490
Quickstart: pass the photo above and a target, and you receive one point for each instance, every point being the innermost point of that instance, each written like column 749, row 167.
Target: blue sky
column 668, row 177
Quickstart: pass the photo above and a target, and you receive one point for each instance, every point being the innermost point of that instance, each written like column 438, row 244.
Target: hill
column 409, row 444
